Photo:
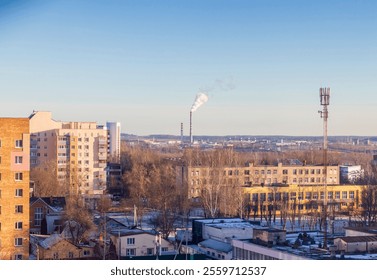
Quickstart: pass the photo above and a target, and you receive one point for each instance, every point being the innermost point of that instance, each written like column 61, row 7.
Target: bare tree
column 77, row 220
column 165, row 199
column 45, row 180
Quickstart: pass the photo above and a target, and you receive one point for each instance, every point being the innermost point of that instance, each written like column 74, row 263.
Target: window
column 315, row 195
column 19, row 209
column 18, row 143
column 150, row 251
column 344, row 194
column 19, row 193
column 308, row 195
column 352, row 194
column 322, row 195
column 330, row 195
column 130, row 252
column 0, row 176
column 18, row 257
column 0, row 143
column 70, row 255
column 38, row 214
column 56, row 256
column 337, row 195
column 293, row 195
column 130, row 241
column 18, row 225
column 18, row 241
column 0, row 159
column 86, row 253
column 300, row 195
column 164, row 249
column 18, row 176
column 285, row 171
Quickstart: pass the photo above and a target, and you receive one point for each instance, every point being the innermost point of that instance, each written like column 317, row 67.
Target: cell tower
column 324, row 95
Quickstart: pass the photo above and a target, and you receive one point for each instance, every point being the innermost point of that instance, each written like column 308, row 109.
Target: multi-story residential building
column 14, row 188
column 77, row 150
column 113, row 129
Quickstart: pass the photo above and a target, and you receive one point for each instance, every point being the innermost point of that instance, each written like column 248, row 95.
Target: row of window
column 17, row 225
column 236, row 172
column 70, row 255
column 18, row 176
column 268, row 181
column 17, row 160
column 300, row 195
column 17, row 209
column 18, row 143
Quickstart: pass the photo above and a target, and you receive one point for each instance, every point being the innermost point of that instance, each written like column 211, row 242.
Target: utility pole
column 324, row 95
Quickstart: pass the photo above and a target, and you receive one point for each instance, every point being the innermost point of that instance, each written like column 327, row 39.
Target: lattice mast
column 324, row 95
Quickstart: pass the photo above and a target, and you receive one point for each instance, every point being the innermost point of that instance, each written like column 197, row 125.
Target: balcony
column 102, row 156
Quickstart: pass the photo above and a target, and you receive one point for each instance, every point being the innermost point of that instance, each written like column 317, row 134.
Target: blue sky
column 142, row 63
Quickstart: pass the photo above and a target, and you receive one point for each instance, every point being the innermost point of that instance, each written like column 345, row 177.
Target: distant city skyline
column 143, row 62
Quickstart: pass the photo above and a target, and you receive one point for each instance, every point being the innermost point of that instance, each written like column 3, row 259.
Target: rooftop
column 216, row 245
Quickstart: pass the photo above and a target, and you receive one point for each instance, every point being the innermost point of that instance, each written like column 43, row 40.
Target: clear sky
column 142, row 62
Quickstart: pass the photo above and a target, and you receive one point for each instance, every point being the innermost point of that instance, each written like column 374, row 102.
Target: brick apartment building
column 14, row 188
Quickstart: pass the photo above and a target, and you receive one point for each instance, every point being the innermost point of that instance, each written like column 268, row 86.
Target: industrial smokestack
column 181, row 133
column 200, row 99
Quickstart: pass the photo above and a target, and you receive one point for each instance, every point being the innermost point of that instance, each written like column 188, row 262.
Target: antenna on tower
column 324, row 95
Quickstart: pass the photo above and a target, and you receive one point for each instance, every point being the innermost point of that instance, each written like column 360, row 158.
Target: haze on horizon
column 143, row 62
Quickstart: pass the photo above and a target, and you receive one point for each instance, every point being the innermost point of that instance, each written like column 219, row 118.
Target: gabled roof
column 358, row 239
column 371, row 230
column 132, row 231
column 56, row 204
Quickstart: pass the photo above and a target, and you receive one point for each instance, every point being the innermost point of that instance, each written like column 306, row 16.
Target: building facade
column 114, row 130
column 139, row 243
column 14, row 188
column 77, row 150
column 299, row 187
column 260, row 175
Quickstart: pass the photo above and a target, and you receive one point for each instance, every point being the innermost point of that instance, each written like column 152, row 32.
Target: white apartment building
column 78, row 151
column 114, row 130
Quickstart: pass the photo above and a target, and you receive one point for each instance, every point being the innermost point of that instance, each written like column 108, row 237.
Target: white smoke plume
column 200, row 99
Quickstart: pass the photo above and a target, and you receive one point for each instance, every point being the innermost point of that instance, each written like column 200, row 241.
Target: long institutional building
column 78, row 150
column 14, row 188
column 298, row 184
